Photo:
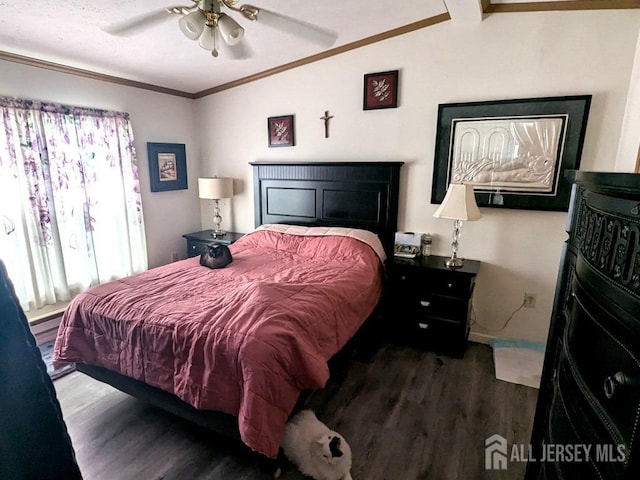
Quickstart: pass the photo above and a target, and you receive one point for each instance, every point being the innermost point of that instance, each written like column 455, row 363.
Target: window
column 70, row 205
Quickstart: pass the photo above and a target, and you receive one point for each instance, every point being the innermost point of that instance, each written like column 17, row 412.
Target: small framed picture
column 280, row 131
column 380, row 90
column 167, row 166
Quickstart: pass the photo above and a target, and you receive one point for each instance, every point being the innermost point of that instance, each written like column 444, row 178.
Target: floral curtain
column 70, row 205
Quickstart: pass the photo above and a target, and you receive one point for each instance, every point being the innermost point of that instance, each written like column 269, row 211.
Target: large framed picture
column 513, row 152
column 167, row 166
column 280, row 131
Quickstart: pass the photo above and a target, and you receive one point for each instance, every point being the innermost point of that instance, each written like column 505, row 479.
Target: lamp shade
column 459, row 203
column 208, row 39
column 231, row 32
column 192, row 24
column 215, row 188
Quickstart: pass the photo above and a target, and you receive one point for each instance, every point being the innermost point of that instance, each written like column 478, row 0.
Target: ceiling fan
column 206, row 21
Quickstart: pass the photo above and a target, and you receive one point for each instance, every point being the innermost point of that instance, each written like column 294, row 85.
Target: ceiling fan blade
column 305, row 30
column 141, row 22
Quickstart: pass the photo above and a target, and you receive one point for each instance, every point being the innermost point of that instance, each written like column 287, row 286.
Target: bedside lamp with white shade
column 214, row 188
column 459, row 204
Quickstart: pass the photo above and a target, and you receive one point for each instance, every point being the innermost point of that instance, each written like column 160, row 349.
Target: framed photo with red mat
column 280, row 131
column 380, row 90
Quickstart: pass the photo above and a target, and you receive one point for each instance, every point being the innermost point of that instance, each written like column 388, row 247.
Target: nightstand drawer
column 198, row 240
column 442, row 283
column 195, row 248
column 452, row 285
column 444, row 307
column 439, row 334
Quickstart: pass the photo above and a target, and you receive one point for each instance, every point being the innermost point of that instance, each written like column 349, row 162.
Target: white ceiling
column 70, row 32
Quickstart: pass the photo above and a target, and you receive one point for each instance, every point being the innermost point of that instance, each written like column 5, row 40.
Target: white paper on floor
column 518, row 361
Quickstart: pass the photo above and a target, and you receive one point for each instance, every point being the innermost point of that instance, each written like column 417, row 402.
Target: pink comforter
column 245, row 340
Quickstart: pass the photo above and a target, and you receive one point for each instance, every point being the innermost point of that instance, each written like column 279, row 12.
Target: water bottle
column 425, row 244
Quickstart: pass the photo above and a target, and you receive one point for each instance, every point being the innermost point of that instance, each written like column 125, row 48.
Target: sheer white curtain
column 70, row 206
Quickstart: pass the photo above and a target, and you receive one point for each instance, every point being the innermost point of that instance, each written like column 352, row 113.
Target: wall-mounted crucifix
column 326, row 119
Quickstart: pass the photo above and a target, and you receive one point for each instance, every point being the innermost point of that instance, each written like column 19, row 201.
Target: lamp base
column 454, row 262
column 217, row 221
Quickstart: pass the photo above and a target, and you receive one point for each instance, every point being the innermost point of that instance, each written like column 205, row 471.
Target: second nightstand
column 430, row 304
column 196, row 241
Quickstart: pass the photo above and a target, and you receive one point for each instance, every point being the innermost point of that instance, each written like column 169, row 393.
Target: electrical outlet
column 529, row 300
column 174, row 256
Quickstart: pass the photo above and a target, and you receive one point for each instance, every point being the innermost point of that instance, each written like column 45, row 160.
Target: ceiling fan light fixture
column 204, row 22
column 192, row 25
column 209, row 40
column 249, row 12
column 231, row 31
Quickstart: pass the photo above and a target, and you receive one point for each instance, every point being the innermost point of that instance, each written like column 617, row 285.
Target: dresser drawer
column 601, row 361
column 569, row 426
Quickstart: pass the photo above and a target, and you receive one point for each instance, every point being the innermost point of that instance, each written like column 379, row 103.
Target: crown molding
column 79, row 72
column 490, row 7
column 329, row 53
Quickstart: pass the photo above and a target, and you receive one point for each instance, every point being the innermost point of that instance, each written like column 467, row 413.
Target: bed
column 234, row 349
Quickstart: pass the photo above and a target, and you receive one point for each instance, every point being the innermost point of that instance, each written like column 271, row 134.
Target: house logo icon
column 495, row 453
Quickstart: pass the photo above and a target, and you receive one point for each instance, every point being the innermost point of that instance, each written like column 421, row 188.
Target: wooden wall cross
column 326, row 119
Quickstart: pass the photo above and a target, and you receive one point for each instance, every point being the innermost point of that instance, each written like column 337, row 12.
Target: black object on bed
column 353, row 194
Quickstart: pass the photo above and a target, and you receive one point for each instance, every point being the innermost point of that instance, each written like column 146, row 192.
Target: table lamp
column 459, row 204
column 214, row 188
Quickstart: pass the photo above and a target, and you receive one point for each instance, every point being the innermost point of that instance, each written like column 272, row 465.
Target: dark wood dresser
column 590, row 391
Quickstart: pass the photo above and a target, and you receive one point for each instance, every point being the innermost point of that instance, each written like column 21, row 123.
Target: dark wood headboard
column 343, row 194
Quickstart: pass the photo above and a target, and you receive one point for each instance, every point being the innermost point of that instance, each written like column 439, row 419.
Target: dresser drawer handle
column 425, row 303
column 423, row 326
column 450, row 284
column 617, row 381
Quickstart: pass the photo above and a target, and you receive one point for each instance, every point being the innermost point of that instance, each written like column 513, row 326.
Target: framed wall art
column 167, row 166
column 514, row 152
column 280, row 131
column 380, row 90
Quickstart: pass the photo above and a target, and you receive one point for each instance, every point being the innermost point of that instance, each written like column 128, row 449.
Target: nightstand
column 429, row 305
column 196, row 241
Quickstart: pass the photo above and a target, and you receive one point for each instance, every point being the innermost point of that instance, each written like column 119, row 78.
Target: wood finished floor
column 407, row 415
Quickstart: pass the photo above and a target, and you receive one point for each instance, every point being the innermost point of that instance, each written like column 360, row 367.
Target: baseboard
column 480, row 337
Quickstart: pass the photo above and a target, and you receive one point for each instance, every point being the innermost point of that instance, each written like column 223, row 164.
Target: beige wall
column 505, row 56
column 630, row 135
column 155, row 118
